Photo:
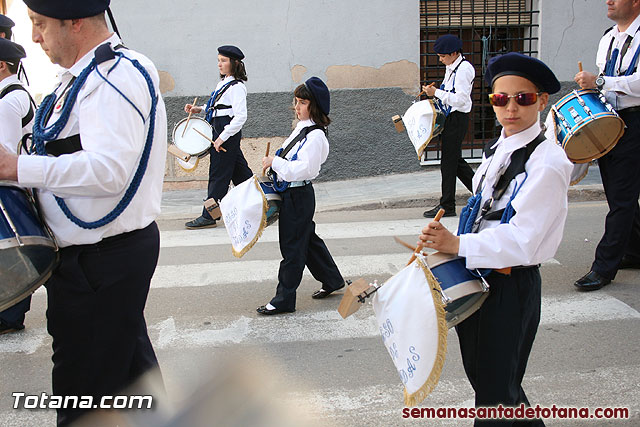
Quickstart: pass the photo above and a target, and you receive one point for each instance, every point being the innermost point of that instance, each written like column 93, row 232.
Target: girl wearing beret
column 226, row 111
column 297, row 163
column 520, row 229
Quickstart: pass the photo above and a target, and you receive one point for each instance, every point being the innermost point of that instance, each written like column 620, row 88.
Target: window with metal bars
column 486, row 28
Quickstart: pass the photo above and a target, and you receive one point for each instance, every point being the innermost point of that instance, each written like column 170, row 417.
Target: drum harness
column 281, row 186
column 215, row 97
column 30, row 114
column 446, row 109
column 472, row 214
column 42, row 133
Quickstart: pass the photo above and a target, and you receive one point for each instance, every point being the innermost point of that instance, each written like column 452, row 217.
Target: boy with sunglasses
column 521, row 207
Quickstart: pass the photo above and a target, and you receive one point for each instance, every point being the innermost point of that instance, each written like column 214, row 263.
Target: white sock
column 269, row 307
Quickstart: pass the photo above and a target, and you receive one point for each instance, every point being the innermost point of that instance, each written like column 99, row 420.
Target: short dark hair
column 7, row 32
column 13, row 66
column 315, row 113
column 238, row 70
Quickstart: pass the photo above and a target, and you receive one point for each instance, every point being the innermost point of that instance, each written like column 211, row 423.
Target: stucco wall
column 349, row 44
column 569, row 32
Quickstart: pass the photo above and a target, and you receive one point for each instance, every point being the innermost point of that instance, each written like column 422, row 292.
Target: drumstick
column 189, row 116
column 209, row 139
column 580, row 66
column 403, row 243
column 268, row 148
column 438, row 217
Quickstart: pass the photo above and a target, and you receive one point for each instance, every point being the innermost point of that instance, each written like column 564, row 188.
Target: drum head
column 594, row 139
column 24, row 269
column 190, row 165
column 189, row 140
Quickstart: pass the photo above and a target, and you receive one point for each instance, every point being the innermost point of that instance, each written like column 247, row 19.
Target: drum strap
column 283, row 185
column 67, row 145
column 446, row 109
column 215, row 97
column 30, row 114
column 473, row 211
column 612, row 57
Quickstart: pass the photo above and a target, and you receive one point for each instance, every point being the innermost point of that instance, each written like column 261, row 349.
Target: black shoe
column 431, row 213
column 629, row 262
column 323, row 293
column 7, row 329
column 591, row 281
column 264, row 310
column 201, row 222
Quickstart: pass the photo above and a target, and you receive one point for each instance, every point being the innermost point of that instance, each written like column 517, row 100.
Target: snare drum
column 587, row 126
column 463, row 293
column 191, row 141
column 28, row 252
column 273, row 198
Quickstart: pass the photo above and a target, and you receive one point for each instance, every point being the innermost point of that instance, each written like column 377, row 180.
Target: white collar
column 511, row 143
column 13, row 78
column 455, row 63
column 83, row 62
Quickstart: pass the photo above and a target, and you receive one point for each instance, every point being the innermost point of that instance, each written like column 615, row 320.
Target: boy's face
column 514, row 117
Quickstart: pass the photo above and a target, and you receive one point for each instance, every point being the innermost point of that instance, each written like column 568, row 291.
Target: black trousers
column 96, row 299
column 452, row 164
column 14, row 315
column 300, row 246
column 225, row 167
column 496, row 340
column 620, row 173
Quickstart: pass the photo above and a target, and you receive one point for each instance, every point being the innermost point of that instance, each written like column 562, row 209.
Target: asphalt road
column 201, row 314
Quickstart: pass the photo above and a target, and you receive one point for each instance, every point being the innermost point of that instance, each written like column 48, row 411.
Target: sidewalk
column 419, row 189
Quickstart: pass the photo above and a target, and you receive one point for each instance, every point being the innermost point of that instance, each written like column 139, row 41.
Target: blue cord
column 42, row 133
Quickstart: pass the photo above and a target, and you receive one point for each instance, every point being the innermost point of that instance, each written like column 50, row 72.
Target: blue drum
column 28, row 252
column 462, row 292
column 586, row 125
column 274, row 199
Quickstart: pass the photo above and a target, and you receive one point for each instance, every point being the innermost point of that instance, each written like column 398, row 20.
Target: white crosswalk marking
column 324, row 325
column 345, row 230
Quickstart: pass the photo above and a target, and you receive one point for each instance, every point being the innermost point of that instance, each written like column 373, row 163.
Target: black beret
column 231, row 52
column 447, row 44
column 68, row 9
column 6, row 22
column 517, row 64
column 10, row 51
column 320, row 93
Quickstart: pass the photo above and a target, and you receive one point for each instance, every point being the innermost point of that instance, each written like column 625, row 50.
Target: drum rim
column 12, row 242
column 475, row 306
column 570, row 95
column 568, row 136
column 35, row 285
column 173, row 139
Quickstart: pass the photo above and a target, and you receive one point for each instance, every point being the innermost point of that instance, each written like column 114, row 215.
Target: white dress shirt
column 236, row 97
column 621, row 91
column 312, row 153
column 463, row 81
column 535, row 231
column 92, row 181
column 13, row 107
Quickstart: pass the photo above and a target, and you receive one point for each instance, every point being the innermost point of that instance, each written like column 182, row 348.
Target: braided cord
column 41, row 133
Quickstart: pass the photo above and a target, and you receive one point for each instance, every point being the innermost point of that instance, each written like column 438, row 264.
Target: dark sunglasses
column 524, row 99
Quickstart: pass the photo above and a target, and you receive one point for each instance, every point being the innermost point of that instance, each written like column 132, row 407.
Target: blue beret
column 6, row 22
column 231, row 52
column 320, row 93
column 447, row 44
column 517, row 64
column 10, row 51
column 68, row 9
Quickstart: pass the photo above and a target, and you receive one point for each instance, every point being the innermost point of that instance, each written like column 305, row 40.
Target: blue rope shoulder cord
column 42, row 133
column 612, row 57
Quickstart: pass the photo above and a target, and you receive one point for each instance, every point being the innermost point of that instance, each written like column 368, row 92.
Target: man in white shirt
column 101, row 143
column 454, row 100
column 617, row 58
column 16, row 115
